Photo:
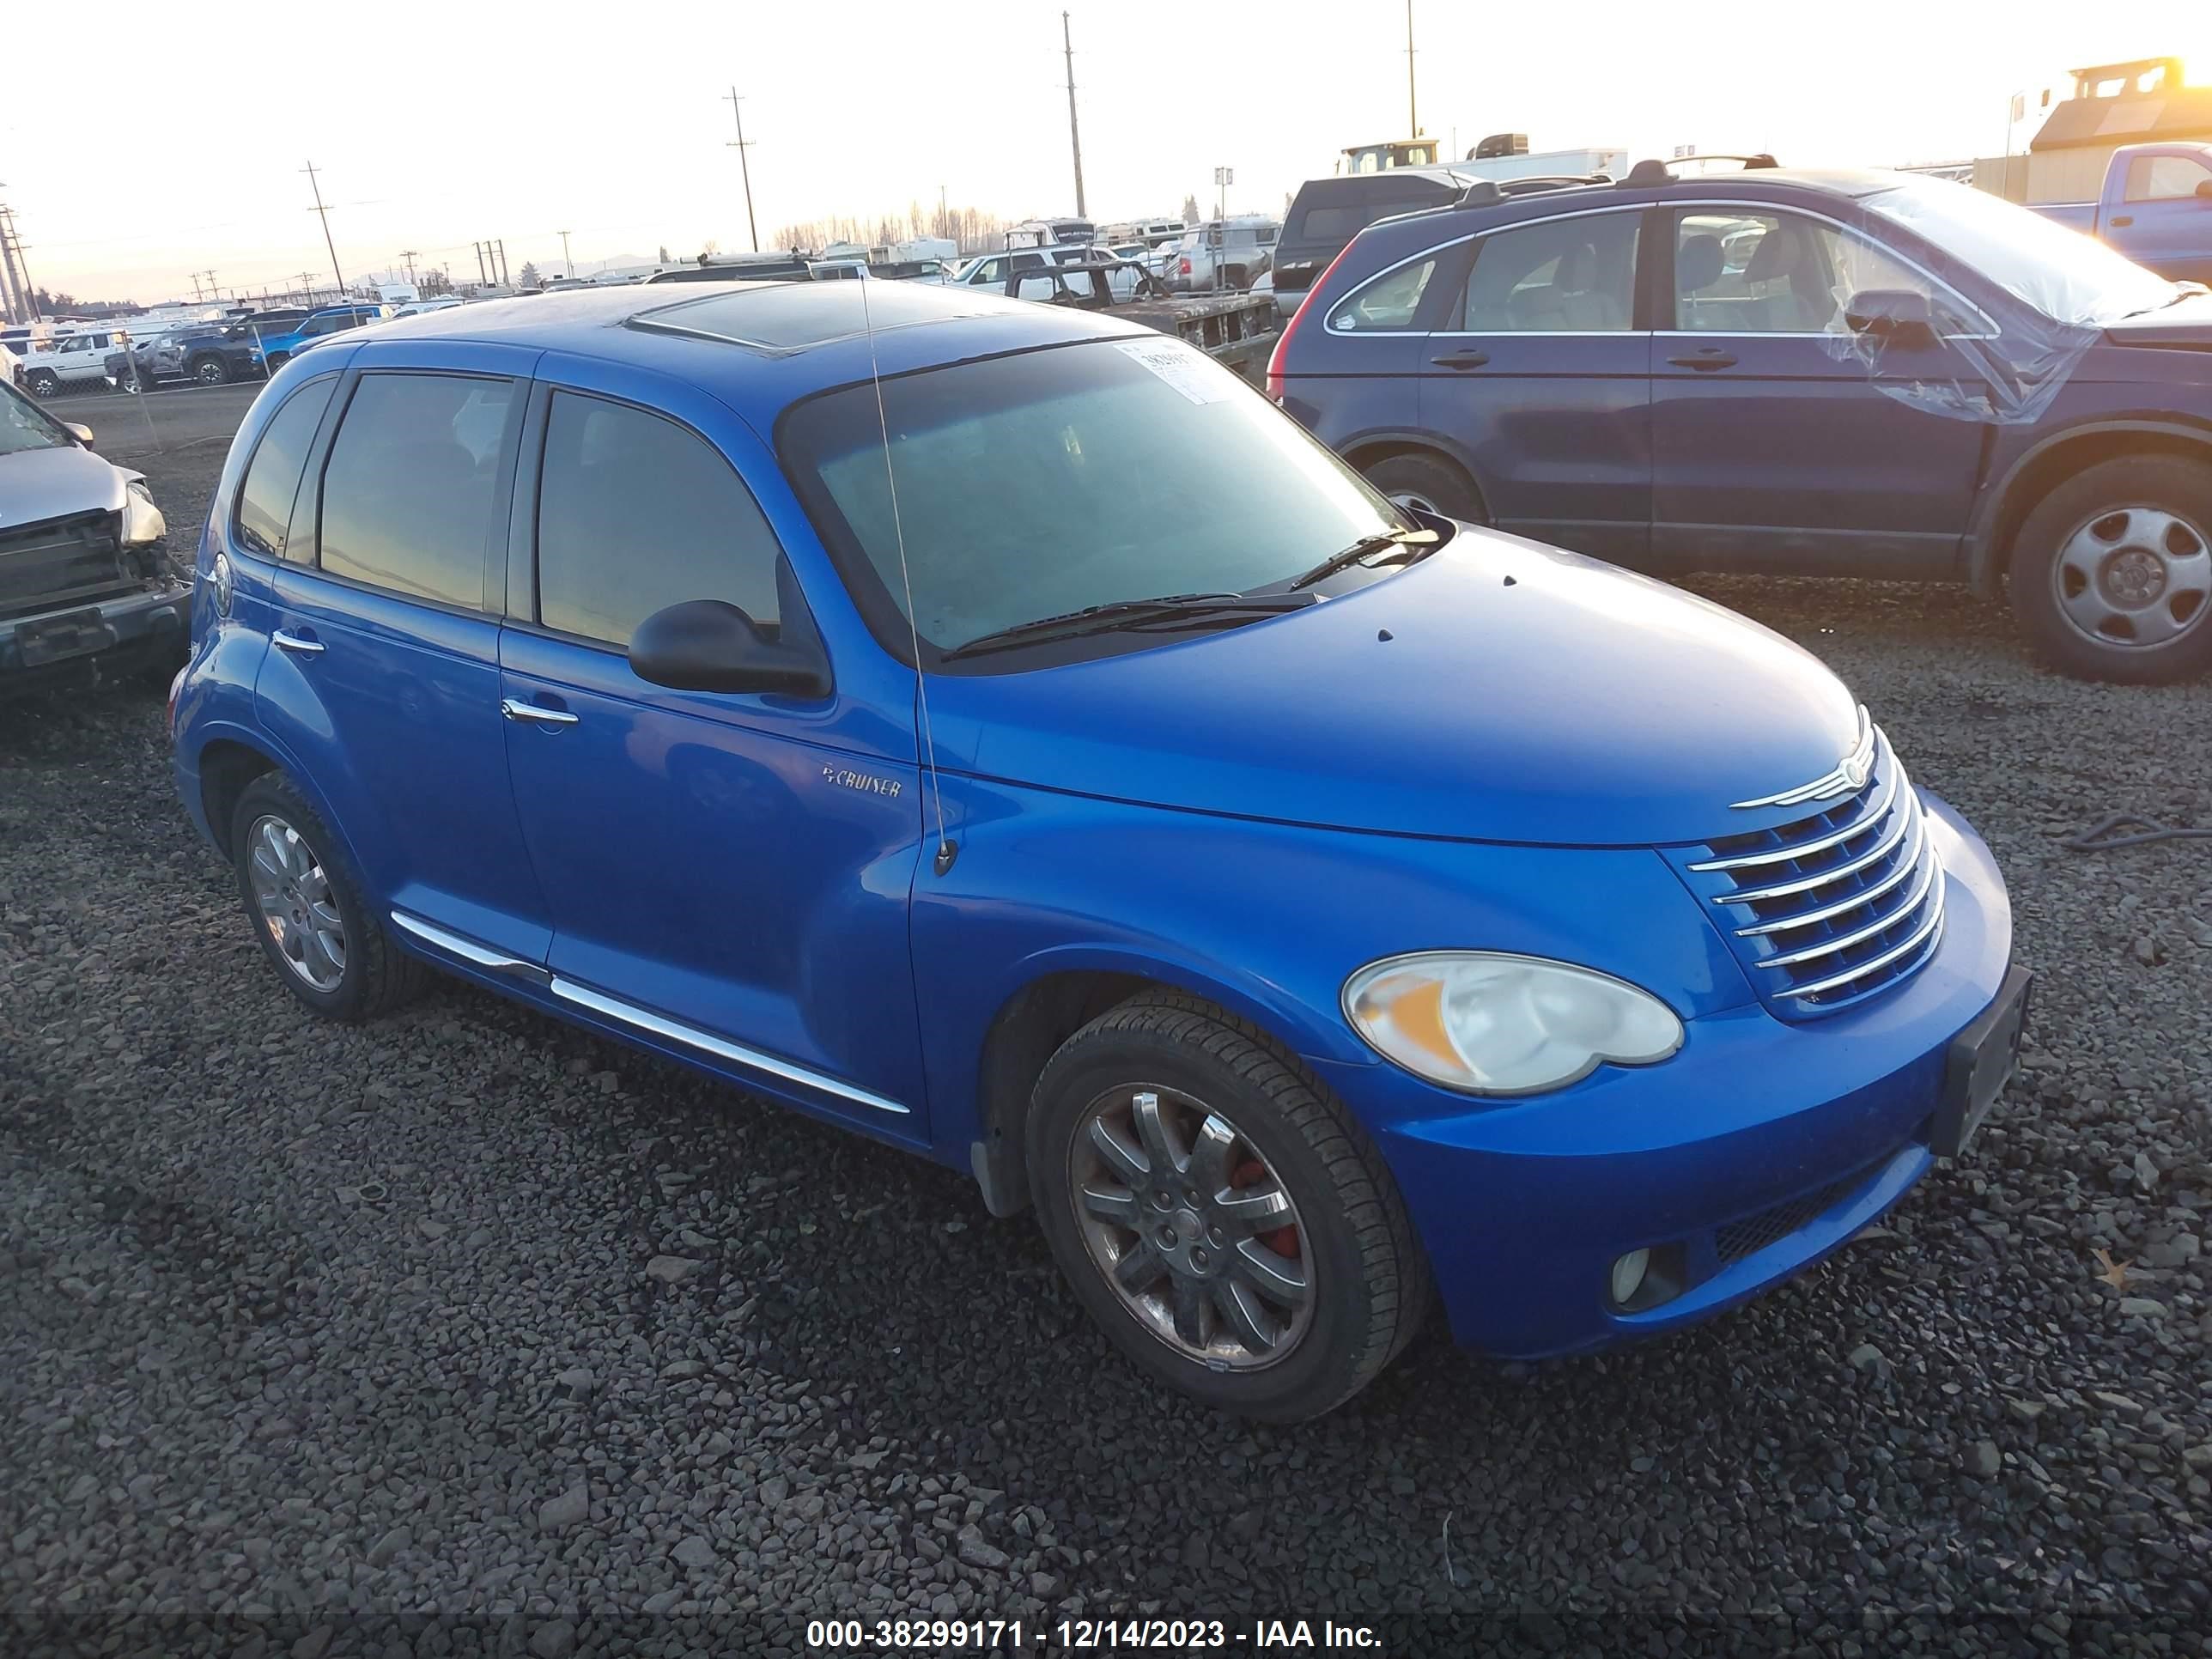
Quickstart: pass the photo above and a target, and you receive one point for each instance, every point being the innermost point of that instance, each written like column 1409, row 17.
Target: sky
column 472, row 121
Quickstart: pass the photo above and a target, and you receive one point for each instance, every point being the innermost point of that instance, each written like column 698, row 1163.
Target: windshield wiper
column 1365, row 548
column 1125, row 614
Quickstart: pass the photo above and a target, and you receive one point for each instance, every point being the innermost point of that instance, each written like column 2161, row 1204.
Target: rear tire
column 1430, row 482
column 1296, row 1266
column 211, row 371
column 2111, row 572
column 318, row 928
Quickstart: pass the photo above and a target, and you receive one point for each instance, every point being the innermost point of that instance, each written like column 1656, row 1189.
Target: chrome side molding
column 466, row 949
column 690, row 1036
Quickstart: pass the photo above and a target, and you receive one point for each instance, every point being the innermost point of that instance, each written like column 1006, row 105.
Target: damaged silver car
column 87, row 590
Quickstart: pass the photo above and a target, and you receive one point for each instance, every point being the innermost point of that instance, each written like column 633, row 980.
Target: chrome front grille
column 1831, row 909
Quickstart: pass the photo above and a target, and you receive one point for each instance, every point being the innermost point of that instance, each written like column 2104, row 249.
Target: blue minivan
column 997, row 730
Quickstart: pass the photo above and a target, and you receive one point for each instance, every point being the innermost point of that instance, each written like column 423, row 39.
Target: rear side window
column 635, row 513
column 410, row 495
column 1388, row 302
column 1572, row 275
column 273, row 477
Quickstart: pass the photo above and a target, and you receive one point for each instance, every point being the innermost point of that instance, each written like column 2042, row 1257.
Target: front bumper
column 1758, row 1149
column 142, row 630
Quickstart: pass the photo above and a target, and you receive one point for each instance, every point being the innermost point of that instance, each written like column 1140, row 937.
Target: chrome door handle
column 295, row 645
column 515, row 709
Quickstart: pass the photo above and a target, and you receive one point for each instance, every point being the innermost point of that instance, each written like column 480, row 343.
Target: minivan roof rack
column 1483, row 191
column 1652, row 170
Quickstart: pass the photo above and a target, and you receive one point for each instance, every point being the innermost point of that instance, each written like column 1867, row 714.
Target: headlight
column 142, row 520
column 1488, row 1024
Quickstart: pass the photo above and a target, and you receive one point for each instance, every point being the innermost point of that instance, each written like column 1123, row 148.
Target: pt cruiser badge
column 846, row 778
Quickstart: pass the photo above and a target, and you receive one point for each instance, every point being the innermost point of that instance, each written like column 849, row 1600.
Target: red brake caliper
column 1283, row 1241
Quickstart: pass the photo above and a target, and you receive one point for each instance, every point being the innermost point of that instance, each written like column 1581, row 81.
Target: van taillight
column 1274, row 382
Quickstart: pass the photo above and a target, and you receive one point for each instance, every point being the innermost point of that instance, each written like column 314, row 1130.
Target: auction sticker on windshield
column 1179, row 366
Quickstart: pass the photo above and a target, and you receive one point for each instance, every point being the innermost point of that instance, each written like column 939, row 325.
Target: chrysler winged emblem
column 1848, row 779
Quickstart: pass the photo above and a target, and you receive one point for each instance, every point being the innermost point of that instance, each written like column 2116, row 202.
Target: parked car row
column 1827, row 372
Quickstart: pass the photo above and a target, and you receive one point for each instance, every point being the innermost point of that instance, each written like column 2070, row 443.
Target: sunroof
column 787, row 316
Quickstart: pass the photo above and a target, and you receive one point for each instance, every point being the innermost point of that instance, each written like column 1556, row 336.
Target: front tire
column 1431, row 484
column 326, row 943
column 43, row 384
column 1223, row 1218
column 2111, row 572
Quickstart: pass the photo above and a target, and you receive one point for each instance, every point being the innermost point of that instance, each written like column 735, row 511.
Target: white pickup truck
column 70, row 363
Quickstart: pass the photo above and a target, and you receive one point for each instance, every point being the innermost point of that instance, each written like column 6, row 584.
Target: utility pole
column 407, row 257
column 11, row 240
column 1412, row 115
column 8, row 300
column 568, row 265
column 1075, row 137
column 307, row 286
column 505, row 279
column 325, row 214
column 744, row 168
column 483, row 280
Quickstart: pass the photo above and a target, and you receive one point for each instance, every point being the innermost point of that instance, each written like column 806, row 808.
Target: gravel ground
column 468, row 1333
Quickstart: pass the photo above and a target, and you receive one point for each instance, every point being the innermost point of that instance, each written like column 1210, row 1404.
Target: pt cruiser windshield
column 1048, row 482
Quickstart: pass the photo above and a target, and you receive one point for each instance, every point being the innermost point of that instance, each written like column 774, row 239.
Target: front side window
column 1574, row 276
column 1114, row 469
column 273, row 477
column 1389, row 302
column 2164, row 177
column 635, row 514
column 1777, row 273
column 410, row 491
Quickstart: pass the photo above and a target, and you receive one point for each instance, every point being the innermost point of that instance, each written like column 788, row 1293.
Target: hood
column 36, row 484
column 1497, row 690
column 2186, row 325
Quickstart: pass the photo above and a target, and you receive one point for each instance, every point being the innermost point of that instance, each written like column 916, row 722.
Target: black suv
column 1327, row 213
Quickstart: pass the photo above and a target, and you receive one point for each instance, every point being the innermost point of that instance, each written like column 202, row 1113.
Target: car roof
column 760, row 345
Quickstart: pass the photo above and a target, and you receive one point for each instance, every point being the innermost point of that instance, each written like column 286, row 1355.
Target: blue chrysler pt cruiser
column 998, row 730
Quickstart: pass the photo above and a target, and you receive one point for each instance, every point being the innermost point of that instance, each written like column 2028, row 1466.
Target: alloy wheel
column 2134, row 577
column 293, row 892
column 1192, row 1228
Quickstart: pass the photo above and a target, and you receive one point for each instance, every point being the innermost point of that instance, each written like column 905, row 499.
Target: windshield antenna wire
column 946, row 852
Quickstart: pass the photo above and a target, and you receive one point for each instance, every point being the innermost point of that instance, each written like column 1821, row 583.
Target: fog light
column 1628, row 1276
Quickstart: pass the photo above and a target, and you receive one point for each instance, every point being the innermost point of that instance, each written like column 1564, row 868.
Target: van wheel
column 1225, row 1220
column 42, row 382
column 2111, row 572
column 1431, row 484
column 308, row 912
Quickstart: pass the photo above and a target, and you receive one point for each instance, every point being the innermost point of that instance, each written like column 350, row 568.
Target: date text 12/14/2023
column 1084, row 1635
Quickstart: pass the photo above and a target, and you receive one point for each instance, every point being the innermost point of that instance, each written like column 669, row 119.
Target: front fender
column 1267, row 919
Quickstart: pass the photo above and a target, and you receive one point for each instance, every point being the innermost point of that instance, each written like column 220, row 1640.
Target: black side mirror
column 1895, row 314
column 710, row 645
